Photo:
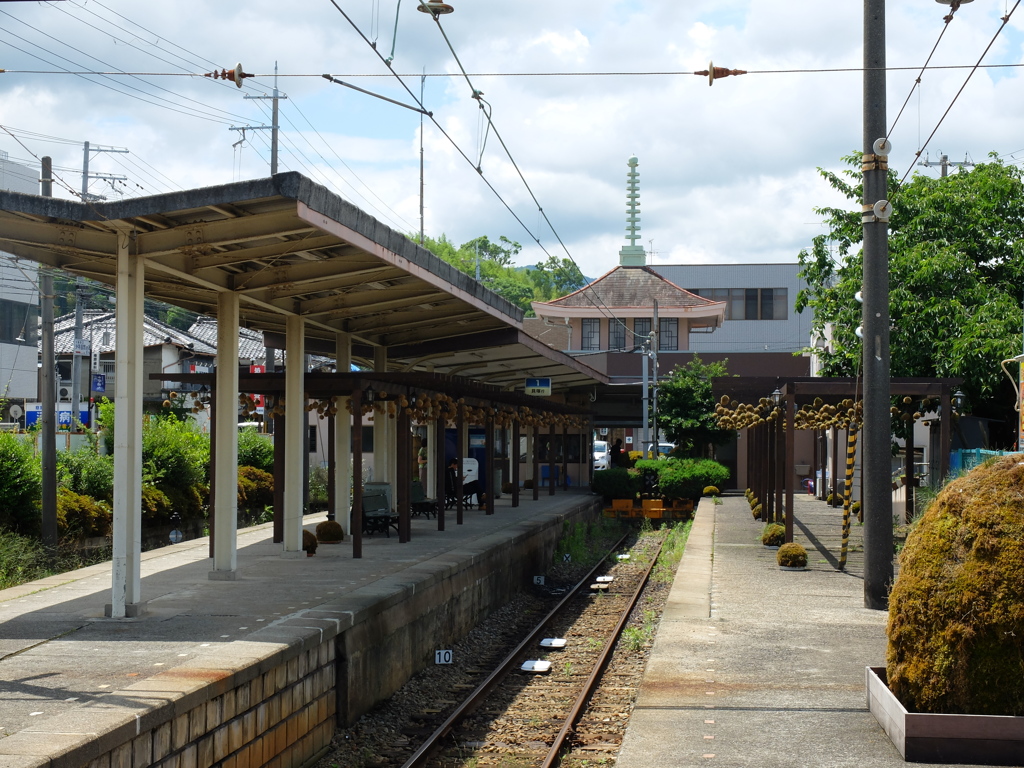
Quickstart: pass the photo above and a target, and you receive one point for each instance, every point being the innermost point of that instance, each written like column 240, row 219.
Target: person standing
column 616, row 451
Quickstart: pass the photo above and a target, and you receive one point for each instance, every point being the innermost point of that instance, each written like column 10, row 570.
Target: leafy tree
column 686, row 407
column 556, row 277
column 956, row 269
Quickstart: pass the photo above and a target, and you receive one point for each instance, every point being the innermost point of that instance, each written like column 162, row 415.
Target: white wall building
column 19, row 303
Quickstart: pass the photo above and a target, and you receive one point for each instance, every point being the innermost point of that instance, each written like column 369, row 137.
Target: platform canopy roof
column 287, row 246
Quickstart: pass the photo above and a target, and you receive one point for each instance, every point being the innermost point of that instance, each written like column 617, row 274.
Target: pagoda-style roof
column 631, row 292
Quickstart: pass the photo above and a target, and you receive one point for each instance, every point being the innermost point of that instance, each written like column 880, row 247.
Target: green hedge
column 616, row 483
column 20, row 484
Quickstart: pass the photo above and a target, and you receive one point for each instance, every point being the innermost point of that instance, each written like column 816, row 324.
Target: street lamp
column 959, row 398
column 776, row 396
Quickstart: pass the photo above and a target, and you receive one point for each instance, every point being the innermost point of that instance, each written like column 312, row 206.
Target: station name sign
column 539, row 387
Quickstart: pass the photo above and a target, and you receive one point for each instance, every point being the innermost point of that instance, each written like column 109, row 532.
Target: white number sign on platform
column 539, row 580
column 442, row 657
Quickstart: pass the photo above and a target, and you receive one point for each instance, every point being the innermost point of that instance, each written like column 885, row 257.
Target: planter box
column 622, row 504
column 654, row 513
column 949, row 739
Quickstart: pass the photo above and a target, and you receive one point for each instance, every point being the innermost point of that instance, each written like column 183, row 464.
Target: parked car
column 664, row 449
column 602, row 458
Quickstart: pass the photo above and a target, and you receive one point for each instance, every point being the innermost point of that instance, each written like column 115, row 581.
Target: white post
column 432, row 457
column 127, row 541
column 225, row 471
column 343, row 440
column 294, row 432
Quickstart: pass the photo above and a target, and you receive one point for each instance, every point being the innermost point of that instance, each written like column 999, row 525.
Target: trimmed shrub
column 791, row 555
column 615, row 483
column 330, row 530
column 711, row 491
column 81, row 516
column 156, row 506
column 957, row 607
column 187, row 501
column 756, row 511
column 20, row 484
column 255, row 489
column 308, row 542
column 255, row 450
column 773, row 535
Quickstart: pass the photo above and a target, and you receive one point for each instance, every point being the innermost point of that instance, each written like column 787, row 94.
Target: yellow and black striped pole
column 851, row 454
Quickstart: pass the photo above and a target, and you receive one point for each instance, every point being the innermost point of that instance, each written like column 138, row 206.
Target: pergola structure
column 771, row 443
column 315, row 274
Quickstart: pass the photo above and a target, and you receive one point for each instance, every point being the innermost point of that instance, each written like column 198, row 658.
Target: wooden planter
column 622, row 504
column 948, row 739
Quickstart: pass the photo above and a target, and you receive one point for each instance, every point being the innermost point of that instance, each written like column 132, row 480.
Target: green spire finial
column 632, row 255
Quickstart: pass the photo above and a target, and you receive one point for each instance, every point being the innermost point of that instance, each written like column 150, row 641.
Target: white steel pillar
column 225, row 471
column 294, row 432
column 381, row 446
column 343, row 440
column 127, row 543
column 432, row 459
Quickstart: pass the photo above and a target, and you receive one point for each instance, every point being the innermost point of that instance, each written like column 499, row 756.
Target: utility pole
column 655, row 344
column 47, row 393
column 944, row 163
column 79, row 348
column 876, row 479
column 273, row 127
column 423, row 80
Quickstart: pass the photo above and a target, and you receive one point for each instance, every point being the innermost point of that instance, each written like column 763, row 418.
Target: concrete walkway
column 754, row 666
column 59, row 656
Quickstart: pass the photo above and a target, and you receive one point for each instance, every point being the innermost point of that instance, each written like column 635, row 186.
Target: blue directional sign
column 540, row 387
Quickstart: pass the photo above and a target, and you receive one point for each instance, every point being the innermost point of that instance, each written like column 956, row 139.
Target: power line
column 917, row 82
column 652, row 73
column 1005, row 20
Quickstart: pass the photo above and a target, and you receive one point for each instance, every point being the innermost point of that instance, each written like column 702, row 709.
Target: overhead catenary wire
column 917, row 81
column 485, row 109
column 1005, row 20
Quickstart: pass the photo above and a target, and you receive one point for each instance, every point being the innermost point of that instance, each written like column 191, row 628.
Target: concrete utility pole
column 273, row 127
column 78, row 351
column 47, row 392
column 944, row 163
column 877, row 503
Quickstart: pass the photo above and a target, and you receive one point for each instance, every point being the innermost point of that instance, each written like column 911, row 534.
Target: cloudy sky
column 728, row 173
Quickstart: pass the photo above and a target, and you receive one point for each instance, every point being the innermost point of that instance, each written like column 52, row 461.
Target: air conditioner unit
column 64, row 393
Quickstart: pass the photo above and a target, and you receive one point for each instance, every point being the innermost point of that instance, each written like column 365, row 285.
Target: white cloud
column 727, row 172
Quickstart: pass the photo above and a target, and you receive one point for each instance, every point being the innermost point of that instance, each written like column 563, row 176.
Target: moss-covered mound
column 956, row 611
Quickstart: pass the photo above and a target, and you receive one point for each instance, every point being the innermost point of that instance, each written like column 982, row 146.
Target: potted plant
column 773, row 536
column 791, row 557
column 308, row 543
column 330, row 532
column 952, row 679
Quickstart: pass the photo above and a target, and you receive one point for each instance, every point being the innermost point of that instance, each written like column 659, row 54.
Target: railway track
column 529, row 718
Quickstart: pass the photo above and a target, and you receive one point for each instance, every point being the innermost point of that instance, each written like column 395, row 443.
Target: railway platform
column 755, row 666
column 254, row 671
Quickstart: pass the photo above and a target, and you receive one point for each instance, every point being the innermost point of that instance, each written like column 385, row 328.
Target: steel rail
column 572, row 718
column 433, row 742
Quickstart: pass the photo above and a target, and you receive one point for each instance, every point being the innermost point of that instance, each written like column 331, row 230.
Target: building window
column 750, row 303
column 616, row 334
column 668, row 333
column 18, row 323
column 591, row 333
column 641, row 329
